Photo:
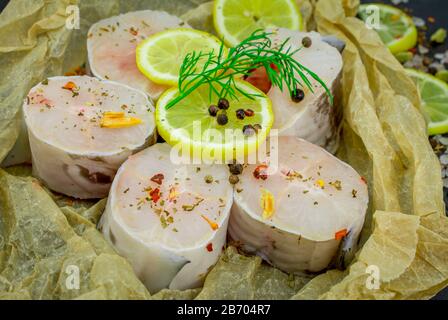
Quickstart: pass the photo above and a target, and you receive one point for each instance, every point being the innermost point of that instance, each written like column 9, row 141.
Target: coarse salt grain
column 444, row 159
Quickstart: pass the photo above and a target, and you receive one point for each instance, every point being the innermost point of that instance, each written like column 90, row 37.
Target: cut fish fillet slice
column 314, row 118
column 318, row 201
column 71, row 152
column 166, row 220
column 111, row 45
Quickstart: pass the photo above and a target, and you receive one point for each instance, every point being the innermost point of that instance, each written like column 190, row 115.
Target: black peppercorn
column 248, row 130
column 426, row 61
column 213, row 110
column 236, row 168
column 432, row 70
column 223, row 104
column 297, row 95
column 306, row 42
column 222, row 118
column 240, row 114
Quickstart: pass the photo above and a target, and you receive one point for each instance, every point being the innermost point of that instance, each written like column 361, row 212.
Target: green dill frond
column 219, row 70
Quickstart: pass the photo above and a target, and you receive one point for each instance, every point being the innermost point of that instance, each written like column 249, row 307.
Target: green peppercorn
column 404, row 56
column 213, row 110
column 208, row 178
column 233, row 179
column 306, row 42
column 223, row 104
column 297, row 95
column 222, row 118
column 240, row 114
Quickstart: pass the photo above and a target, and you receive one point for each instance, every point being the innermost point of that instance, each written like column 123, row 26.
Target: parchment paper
column 404, row 245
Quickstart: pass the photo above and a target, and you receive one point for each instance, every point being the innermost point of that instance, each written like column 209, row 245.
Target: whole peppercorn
column 306, row 42
column 223, row 104
column 222, row 118
column 213, row 110
column 297, row 95
column 235, row 168
column 233, row 179
column 432, row 69
column 257, row 127
column 208, row 178
column 248, row 130
column 426, row 61
column 240, row 114
column 249, row 112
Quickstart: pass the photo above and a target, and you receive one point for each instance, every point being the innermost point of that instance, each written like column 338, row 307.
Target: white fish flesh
column 314, row 118
column 318, row 202
column 111, row 45
column 166, row 220
column 71, row 152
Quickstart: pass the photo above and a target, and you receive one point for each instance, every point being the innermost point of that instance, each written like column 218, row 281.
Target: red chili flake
column 158, row 178
column 155, row 195
column 249, row 112
column 133, row 31
column 364, row 180
column 340, row 234
column 209, row 247
column 260, row 172
column 413, row 50
column 46, row 102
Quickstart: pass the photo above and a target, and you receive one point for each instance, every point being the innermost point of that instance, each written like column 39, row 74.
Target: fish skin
column 160, row 257
column 313, row 119
column 146, row 260
column 335, row 42
column 300, row 236
column 284, row 250
column 59, row 153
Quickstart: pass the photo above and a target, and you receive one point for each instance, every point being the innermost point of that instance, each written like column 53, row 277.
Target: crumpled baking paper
column 51, row 252
column 404, row 245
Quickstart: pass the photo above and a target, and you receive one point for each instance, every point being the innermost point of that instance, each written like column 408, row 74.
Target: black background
column 419, row 8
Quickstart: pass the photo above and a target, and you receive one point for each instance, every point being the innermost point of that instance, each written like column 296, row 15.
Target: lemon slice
column 396, row 28
column 160, row 56
column 189, row 125
column 434, row 94
column 235, row 20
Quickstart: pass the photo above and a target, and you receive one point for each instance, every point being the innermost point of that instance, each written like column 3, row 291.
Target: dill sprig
column 219, row 70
